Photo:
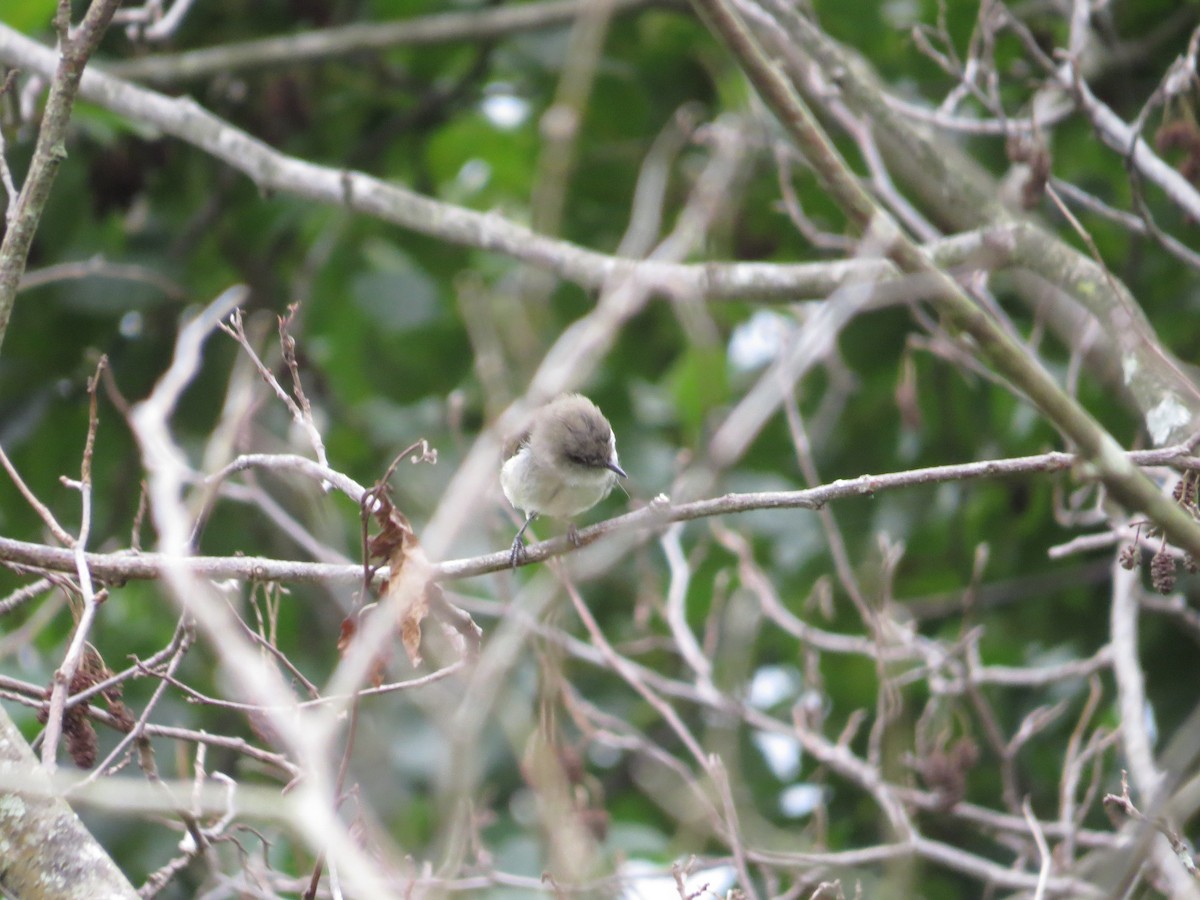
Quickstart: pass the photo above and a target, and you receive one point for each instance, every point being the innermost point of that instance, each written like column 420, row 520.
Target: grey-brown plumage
column 565, row 464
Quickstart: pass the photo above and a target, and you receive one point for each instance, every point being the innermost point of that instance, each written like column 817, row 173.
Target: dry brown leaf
column 407, row 589
column 408, row 593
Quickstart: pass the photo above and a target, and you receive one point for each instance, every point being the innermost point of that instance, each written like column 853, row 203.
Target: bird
column 564, row 464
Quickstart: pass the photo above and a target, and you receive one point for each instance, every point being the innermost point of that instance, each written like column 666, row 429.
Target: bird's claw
column 573, row 535
column 517, row 555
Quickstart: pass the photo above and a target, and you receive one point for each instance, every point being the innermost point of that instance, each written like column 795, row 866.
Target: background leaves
column 403, row 335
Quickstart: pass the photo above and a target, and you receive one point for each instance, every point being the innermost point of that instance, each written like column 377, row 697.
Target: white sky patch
column 474, row 175
column 781, row 751
column 1129, row 366
column 717, row 880
column 758, row 340
column 1167, row 415
column 130, row 325
column 504, row 110
column 901, row 13
column 800, row 800
column 773, row 684
column 603, row 755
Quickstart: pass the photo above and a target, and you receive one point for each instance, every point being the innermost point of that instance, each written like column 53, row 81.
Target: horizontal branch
column 330, row 43
column 275, row 172
column 129, row 565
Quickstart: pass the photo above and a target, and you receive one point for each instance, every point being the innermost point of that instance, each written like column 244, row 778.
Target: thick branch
column 44, row 841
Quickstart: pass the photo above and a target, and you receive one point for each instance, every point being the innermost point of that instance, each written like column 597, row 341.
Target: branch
column 994, row 345
column 274, row 172
column 50, row 149
column 331, row 43
column 954, row 190
column 41, row 834
column 1165, row 397
column 305, row 736
column 126, row 565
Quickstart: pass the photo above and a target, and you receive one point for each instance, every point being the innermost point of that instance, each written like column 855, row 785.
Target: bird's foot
column 517, row 555
column 573, row 535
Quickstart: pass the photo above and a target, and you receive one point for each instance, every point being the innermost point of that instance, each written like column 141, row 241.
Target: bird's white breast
column 557, row 491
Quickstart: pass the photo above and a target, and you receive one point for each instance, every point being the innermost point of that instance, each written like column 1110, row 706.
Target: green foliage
column 394, row 328
column 30, row 16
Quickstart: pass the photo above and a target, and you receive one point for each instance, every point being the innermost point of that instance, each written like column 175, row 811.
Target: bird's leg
column 517, row 554
column 572, row 534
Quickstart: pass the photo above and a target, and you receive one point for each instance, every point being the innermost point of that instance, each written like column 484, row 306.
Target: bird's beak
column 615, row 468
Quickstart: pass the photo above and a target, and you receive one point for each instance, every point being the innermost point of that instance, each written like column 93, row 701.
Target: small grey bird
column 564, row 464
